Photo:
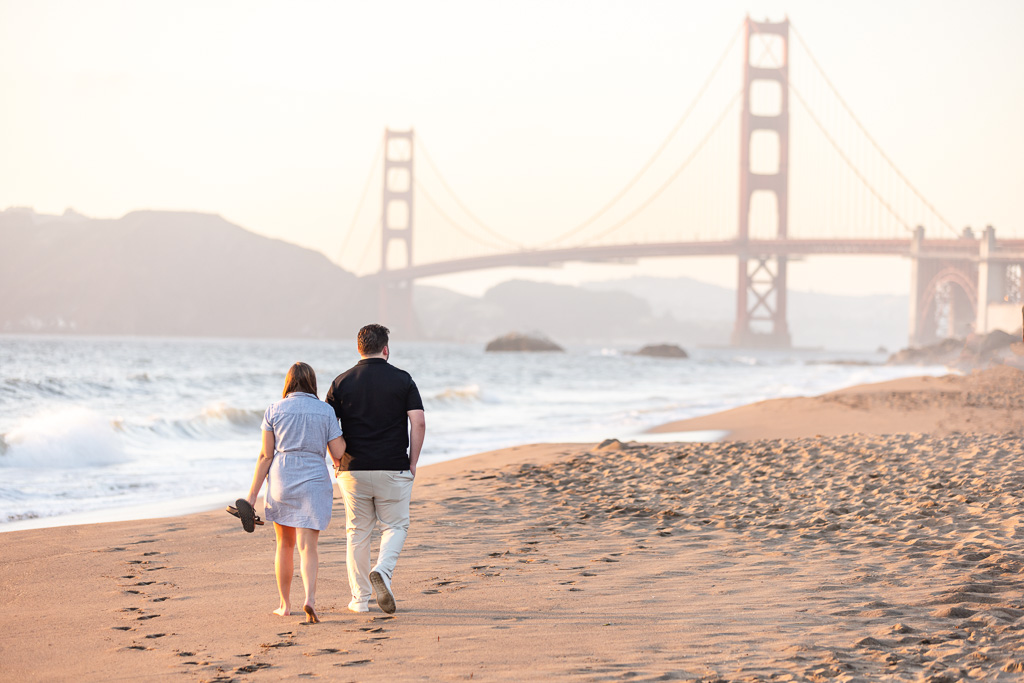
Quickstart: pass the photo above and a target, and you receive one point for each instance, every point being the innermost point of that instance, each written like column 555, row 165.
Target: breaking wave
column 76, row 437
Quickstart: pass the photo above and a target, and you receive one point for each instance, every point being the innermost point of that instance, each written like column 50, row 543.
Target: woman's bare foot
column 311, row 617
column 282, row 611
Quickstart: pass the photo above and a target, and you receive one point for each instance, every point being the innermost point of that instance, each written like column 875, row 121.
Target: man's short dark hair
column 372, row 339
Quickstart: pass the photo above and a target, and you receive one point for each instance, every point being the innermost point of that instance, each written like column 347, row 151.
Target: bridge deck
column 967, row 249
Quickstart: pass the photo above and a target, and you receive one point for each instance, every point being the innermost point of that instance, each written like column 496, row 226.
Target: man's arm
column 333, row 402
column 417, row 430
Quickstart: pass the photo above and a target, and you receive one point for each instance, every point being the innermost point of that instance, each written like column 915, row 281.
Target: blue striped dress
column 299, row 490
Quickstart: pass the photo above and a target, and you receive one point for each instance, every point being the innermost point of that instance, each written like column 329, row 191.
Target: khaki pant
column 373, row 496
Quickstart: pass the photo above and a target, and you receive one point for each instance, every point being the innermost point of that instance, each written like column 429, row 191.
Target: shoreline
column 982, row 401
column 855, row 557
column 762, row 419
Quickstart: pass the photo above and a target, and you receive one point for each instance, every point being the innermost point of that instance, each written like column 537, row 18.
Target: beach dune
column 848, row 556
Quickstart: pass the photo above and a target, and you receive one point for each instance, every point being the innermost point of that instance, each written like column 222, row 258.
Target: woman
column 297, row 431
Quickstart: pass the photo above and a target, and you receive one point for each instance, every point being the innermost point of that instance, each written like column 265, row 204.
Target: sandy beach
column 869, row 534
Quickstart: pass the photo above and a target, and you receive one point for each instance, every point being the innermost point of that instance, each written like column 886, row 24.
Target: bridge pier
column 395, row 308
column 944, row 302
column 761, row 303
column 999, row 287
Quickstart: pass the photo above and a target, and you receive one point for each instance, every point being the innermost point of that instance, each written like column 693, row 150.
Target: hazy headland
column 160, row 273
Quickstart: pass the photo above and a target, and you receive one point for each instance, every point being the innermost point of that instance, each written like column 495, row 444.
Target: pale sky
column 536, row 113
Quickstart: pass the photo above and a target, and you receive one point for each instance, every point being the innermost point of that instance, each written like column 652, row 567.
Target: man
column 379, row 407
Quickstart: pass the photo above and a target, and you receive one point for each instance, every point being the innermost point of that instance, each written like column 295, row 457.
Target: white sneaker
column 356, row 606
column 385, row 600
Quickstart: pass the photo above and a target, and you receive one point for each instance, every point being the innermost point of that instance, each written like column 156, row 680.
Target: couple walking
column 375, row 451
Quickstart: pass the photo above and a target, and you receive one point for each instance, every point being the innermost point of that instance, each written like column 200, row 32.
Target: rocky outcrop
column 976, row 351
column 662, row 351
column 944, row 352
column 514, row 341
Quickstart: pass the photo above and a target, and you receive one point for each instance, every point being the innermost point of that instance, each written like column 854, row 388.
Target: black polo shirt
column 372, row 400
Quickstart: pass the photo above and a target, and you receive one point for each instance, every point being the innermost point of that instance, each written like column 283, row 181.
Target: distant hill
column 564, row 313
column 653, row 310
column 167, row 273
column 815, row 320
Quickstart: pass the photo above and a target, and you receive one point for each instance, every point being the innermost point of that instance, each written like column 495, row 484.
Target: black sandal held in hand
column 244, row 511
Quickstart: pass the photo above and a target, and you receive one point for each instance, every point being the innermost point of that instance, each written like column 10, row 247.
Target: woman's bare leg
column 284, row 566
column 310, row 563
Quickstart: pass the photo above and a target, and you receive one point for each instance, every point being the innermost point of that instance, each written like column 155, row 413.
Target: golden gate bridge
column 851, row 199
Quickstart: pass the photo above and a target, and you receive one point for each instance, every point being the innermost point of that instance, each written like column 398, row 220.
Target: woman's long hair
column 300, row 377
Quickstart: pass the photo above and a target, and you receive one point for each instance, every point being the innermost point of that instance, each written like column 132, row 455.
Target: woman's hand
column 336, row 448
column 262, row 466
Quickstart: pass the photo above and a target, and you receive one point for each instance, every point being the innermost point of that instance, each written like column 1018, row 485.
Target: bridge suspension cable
column 372, row 240
column 846, row 159
column 864, row 130
column 693, row 155
column 362, row 201
column 459, row 228
column 657, row 154
column 490, row 231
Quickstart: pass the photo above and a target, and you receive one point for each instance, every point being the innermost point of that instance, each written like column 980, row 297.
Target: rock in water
column 521, row 342
column 662, row 351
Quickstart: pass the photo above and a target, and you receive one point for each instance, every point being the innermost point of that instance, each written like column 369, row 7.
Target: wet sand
column 859, row 556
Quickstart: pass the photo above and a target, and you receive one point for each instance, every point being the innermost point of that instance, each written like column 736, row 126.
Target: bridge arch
column 950, row 301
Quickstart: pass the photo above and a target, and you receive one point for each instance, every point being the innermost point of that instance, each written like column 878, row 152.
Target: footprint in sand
column 156, row 635
column 354, row 662
column 252, row 668
column 159, row 599
column 148, row 616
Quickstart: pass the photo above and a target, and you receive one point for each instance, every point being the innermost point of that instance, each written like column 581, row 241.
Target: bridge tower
column 395, row 308
column 761, row 285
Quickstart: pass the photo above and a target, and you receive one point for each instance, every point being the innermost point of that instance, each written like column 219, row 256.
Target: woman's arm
column 262, row 466
column 336, row 447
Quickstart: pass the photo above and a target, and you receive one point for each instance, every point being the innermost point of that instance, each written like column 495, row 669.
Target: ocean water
column 98, row 429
